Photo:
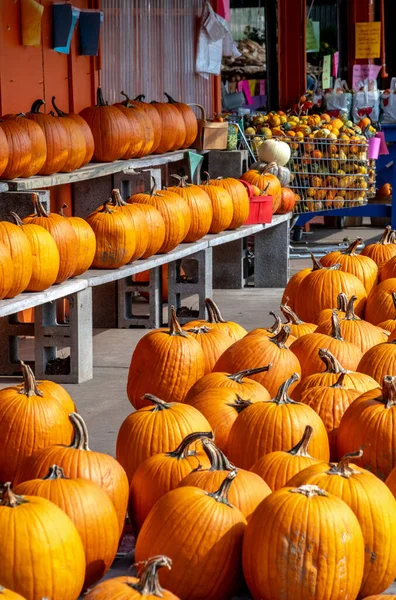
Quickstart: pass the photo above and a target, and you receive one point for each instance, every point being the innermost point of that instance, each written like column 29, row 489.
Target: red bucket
column 260, row 207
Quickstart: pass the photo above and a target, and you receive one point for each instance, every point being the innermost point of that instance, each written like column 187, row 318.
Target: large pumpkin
column 86, row 241
column 115, row 237
column 189, row 118
column 240, row 199
column 32, row 418
column 76, row 141
column 274, row 425
column 352, row 380
column 297, row 327
column 91, row 511
column 355, row 330
column 293, row 286
column 37, row 140
column 321, row 288
column 388, row 271
column 306, row 349
column 330, row 402
column 212, row 341
column 110, row 129
column 217, row 557
column 20, row 251
column 154, row 429
column 167, row 469
column 142, row 131
column 374, row 507
column 138, row 223
column 200, row 206
column 269, row 184
column 247, row 491
column 6, row 271
column 63, row 234
column 324, row 532
column 4, row 152
column 165, row 363
column 55, row 138
column 241, row 383
column 362, row 266
column 174, row 211
column 276, row 468
column 78, row 461
column 222, row 206
column 341, row 308
column 257, row 350
column 41, row 553
column 45, row 255
column 152, row 116
column 221, row 407
column 275, row 151
column 369, row 423
column 173, row 128
column 383, row 250
column 85, row 128
column 379, row 361
column 132, row 588
column 156, row 229
column 216, row 321
column 20, row 150
column 380, row 303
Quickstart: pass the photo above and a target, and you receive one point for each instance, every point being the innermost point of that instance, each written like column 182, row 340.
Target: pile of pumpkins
column 48, row 248
column 47, row 143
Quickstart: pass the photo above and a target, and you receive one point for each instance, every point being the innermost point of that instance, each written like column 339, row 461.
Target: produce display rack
column 220, row 259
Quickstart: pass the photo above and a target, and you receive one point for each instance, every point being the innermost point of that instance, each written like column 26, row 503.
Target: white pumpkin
column 275, row 151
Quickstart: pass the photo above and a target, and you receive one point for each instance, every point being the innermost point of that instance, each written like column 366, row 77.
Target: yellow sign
column 326, row 74
column 368, row 40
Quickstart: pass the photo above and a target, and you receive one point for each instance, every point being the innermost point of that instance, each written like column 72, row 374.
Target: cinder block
column 127, row 317
column 271, row 256
column 21, row 203
column 88, row 195
column 104, row 302
column 10, row 332
column 227, row 163
column 130, row 183
column 229, row 265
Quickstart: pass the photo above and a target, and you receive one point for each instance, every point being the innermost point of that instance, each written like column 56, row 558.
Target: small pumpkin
column 381, row 251
column 240, row 199
column 241, row 383
column 362, row 266
column 341, row 308
column 288, row 201
column 55, row 138
column 63, row 234
column 200, row 206
column 167, row 470
column 154, row 429
column 167, row 528
column 86, row 242
column 267, row 182
column 20, row 150
column 222, row 206
column 379, row 361
column 37, row 140
column 165, row 363
column 216, row 321
column 85, row 128
column 276, row 468
column 272, row 425
column 297, row 327
column 247, row 491
column 189, row 118
column 275, row 151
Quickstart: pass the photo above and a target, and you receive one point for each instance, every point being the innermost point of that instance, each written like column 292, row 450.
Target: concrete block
column 127, row 316
column 104, row 302
column 88, row 195
column 131, row 182
column 21, row 203
column 229, row 265
column 271, row 256
column 227, row 163
column 11, row 330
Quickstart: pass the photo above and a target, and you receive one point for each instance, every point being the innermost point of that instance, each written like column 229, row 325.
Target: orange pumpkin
column 85, row 128
column 76, row 141
column 287, row 202
column 152, row 116
column 221, row 205
column 4, row 152
column 381, row 251
column 156, row 229
column 212, row 341
column 189, row 118
column 86, row 242
column 267, row 182
column 173, row 128
column 199, row 204
column 20, row 255
column 55, row 137
column 362, row 266
column 381, row 302
column 6, row 271
column 37, row 140
column 138, row 223
column 216, row 321
column 241, row 383
column 297, row 327
column 20, row 150
column 240, row 199
column 142, row 130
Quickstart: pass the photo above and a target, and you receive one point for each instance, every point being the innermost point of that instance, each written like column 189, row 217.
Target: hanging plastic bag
column 389, row 103
column 366, row 102
column 339, row 101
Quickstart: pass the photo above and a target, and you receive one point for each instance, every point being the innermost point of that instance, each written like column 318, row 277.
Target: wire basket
column 327, row 174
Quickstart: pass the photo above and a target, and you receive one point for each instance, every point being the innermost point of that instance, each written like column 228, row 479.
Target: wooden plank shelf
column 92, row 171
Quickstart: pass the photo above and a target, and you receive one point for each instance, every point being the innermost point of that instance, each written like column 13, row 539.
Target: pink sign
column 336, row 58
column 246, row 91
column 240, row 86
column 262, row 87
column 362, row 72
column 383, row 149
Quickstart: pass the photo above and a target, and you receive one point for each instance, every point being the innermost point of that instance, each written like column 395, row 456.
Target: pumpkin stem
column 218, row 460
column 29, row 382
column 340, row 381
column 37, row 104
column 207, row 176
column 127, row 99
column 182, row 450
column 169, row 98
column 99, row 97
column 55, row 472
column 182, row 180
column 310, row 491
column 335, row 327
column 389, row 391
column 281, row 338
column 239, row 404
column 282, row 396
column 107, row 206
column 158, row 403
column 343, row 467
column 139, row 98
column 277, row 326
column 301, row 449
column 267, row 168
column 198, row 330
column 213, row 311
column 148, row 584
column 58, row 111
column 350, row 310
column 331, row 362
column 393, row 295
column 17, row 218
column 117, row 199
column 342, row 302
column 351, row 250
column 385, row 236
column 10, row 499
column 317, row 265
column 240, row 375
column 222, row 493
column 290, row 314
column 81, row 438
column 61, row 210
column 174, row 325
column 38, row 207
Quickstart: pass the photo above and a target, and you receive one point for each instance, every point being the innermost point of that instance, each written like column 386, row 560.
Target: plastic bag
column 339, row 100
column 366, row 102
column 389, row 103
